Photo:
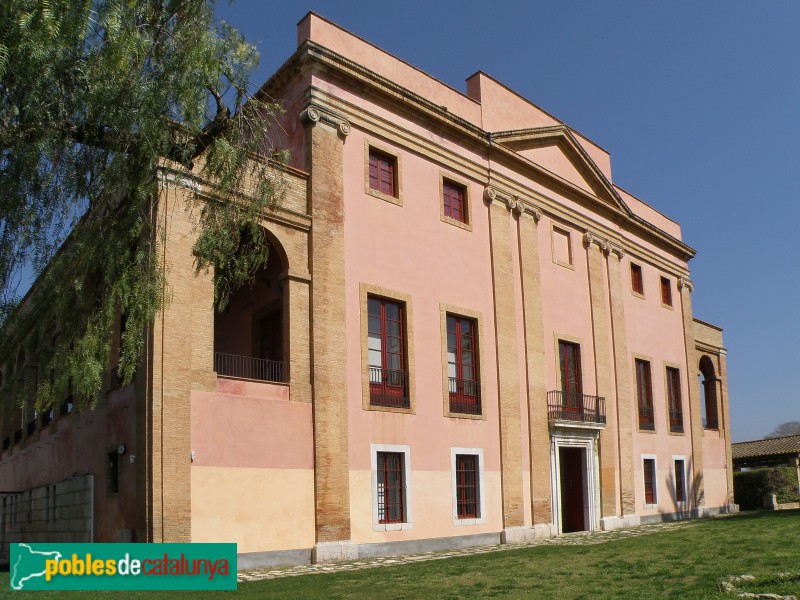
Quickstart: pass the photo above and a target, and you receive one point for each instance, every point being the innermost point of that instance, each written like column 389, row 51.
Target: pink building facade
column 466, row 334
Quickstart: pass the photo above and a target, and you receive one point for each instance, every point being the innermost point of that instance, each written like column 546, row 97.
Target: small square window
column 454, row 199
column 637, row 283
column 666, row 292
column 382, row 172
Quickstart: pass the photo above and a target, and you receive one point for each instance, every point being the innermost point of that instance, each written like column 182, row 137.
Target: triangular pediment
column 555, row 150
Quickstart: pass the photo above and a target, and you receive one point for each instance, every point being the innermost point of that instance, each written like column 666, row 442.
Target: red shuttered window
column 382, row 172
column 650, row 481
column 391, row 488
column 454, row 198
column 644, row 395
column 637, row 283
column 462, row 365
column 680, row 481
column 674, row 397
column 467, row 500
column 666, row 292
column 388, row 379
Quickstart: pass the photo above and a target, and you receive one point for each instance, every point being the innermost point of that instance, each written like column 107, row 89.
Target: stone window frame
column 684, row 396
column 648, row 359
column 366, row 290
column 405, row 450
column 656, row 494
column 398, row 173
column 562, row 229
column 478, row 452
column 467, row 223
column 685, row 502
column 477, row 316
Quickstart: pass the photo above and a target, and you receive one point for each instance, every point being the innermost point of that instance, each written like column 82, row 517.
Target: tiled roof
column 789, row 444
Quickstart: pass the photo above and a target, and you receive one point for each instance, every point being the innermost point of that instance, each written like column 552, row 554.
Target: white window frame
column 409, row 522
column 656, row 491
column 481, row 493
column 685, row 503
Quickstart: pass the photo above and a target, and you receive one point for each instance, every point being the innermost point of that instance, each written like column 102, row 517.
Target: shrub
column 749, row 487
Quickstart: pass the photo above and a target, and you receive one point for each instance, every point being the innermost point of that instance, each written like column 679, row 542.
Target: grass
column 682, row 563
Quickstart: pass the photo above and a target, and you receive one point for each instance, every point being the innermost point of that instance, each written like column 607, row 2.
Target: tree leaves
column 97, row 99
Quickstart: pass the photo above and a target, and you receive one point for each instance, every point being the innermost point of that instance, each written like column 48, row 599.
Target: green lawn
column 683, row 563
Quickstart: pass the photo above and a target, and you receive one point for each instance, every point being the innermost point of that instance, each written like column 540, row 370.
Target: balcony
column 675, row 421
column 465, row 396
column 581, row 410
column 248, row 367
column 388, row 388
column 646, row 418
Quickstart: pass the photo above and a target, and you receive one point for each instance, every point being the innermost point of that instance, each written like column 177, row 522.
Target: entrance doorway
column 574, row 496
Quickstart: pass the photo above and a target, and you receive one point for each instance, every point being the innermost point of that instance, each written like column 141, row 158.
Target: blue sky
column 698, row 104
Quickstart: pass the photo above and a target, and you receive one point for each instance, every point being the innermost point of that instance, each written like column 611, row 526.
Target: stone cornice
column 315, row 113
column 313, row 55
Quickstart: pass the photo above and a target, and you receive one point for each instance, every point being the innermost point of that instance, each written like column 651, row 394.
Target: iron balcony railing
column 676, row 421
column 646, row 418
column 388, row 387
column 249, row 367
column 465, row 396
column 580, row 408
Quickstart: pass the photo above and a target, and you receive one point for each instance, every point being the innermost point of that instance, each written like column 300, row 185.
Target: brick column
column 595, row 249
column 696, row 487
column 538, row 429
column 298, row 287
column 724, row 406
column 623, row 388
column 181, row 359
column 325, row 133
column 507, row 371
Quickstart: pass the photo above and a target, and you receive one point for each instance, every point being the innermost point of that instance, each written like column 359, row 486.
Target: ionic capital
column 512, row 203
column 685, row 282
column 314, row 114
column 590, row 238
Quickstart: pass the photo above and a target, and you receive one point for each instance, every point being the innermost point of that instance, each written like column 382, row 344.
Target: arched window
column 708, row 390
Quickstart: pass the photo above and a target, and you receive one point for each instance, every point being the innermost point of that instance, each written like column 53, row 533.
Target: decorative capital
column 616, row 249
column 685, row 282
column 590, row 238
column 314, row 114
column 534, row 211
column 492, row 194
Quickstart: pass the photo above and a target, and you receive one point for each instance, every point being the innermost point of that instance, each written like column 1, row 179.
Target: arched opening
column 251, row 334
column 708, row 391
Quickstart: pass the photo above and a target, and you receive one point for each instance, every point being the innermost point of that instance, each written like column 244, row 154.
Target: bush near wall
column 749, row 487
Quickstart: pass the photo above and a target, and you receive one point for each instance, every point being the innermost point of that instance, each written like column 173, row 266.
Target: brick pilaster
column 696, row 486
column 324, row 160
column 598, row 294
column 507, row 368
column 539, row 432
column 622, row 377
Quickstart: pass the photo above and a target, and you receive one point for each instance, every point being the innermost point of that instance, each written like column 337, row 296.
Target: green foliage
column 98, row 100
column 749, row 487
